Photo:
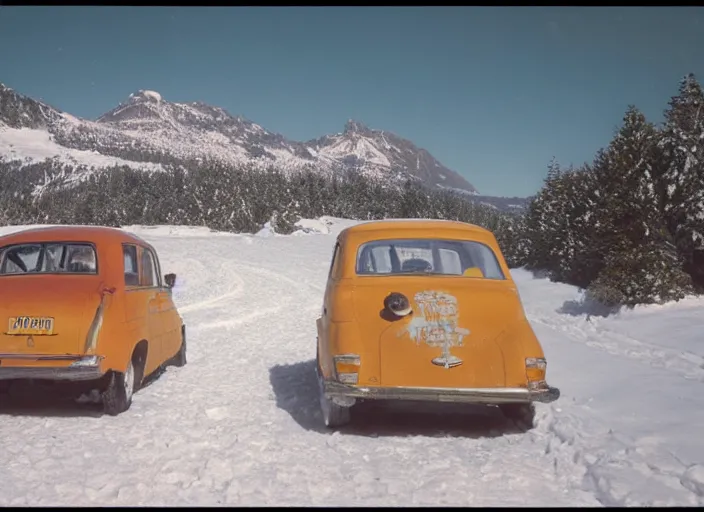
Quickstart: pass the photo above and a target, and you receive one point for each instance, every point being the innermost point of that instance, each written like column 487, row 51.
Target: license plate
column 31, row 326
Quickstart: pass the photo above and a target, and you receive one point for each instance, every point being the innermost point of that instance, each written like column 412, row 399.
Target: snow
column 38, row 145
column 266, row 231
column 359, row 146
column 68, row 117
column 179, row 231
column 240, row 425
column 313, row 226
column 152, row 95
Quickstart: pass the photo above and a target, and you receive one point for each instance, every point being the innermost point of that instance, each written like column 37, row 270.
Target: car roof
column 414, row 224
column 68, row 233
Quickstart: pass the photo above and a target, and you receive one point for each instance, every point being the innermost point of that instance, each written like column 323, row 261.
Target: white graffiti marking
column 436, row 324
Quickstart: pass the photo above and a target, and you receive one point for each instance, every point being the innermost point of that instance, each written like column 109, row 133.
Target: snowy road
column 240, row 424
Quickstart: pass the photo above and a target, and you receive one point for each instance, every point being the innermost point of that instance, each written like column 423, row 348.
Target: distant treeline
column 223, row 198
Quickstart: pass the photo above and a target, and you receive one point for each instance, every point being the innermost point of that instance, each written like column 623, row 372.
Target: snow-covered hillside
column 149, row 129
column 240, row 424
column 32, row 145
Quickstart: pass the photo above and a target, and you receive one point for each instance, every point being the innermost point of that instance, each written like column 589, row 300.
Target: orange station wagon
column 425, row 310
column 86, row 304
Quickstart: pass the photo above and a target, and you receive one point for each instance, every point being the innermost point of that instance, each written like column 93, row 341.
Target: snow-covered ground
column 240, row 424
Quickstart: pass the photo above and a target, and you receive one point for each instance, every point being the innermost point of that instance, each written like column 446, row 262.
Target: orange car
column 425, row 310
column 86, row 304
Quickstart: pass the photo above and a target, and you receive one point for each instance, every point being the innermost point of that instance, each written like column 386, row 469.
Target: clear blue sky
column 492, row 93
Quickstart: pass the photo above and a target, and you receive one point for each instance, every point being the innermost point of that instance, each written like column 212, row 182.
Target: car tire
column 180, row 359
column 117, row 396
column 523, row 414
column 334, row 415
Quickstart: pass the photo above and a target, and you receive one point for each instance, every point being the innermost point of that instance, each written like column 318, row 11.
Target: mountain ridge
column 146, row 128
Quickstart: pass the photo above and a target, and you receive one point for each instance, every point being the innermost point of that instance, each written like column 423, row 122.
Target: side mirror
column 170, row 280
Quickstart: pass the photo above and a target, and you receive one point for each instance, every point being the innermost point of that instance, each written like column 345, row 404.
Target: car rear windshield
column 48, row 258
column 428, row 256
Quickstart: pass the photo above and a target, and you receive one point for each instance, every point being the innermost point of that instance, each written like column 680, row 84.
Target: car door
column 170, row 319
column 150, row 282
column 140, row 317
column 325, row 315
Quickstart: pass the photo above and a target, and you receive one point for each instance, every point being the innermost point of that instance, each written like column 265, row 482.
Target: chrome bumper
column 460, row 395
column 78, row 370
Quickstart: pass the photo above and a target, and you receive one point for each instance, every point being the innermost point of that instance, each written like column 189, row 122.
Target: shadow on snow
column 55, row 399
column 296, row 389
column 586, row 307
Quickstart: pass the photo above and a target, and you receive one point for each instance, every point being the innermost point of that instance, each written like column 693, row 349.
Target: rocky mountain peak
column 355, row 127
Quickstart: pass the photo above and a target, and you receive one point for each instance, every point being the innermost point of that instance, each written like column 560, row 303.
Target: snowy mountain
column 379, row 150
column 146, row 131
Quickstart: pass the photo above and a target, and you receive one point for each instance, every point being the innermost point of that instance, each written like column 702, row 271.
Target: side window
column 335, row 264
column 149, row 277
column 131, row 272
column 157, row 269
column 485, row 259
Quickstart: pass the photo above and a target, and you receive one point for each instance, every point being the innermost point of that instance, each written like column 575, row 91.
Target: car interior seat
column 416, row 265
column 473, row 272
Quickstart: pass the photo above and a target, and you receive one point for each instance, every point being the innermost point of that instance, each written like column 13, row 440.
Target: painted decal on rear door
column 436, row 325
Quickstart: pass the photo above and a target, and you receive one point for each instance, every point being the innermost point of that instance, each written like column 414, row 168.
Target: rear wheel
column 180, row 357
column 523, row 414
column 117, row 397
column 334, row 415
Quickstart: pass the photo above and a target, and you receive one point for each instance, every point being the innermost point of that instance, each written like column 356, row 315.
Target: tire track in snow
column 618, row 470
column 593, row 335
column 215, row 301
column 224, row 301
column 234, row 286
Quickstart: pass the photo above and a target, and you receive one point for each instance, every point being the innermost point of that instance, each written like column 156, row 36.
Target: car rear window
column 48, row 258
column 463, row 258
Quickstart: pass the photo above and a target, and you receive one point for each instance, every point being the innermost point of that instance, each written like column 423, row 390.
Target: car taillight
column 347, row 368
column 398, row 304
column 535, row 370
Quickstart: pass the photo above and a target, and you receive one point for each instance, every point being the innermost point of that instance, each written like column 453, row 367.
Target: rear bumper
column 79, row 368
column 460, row 395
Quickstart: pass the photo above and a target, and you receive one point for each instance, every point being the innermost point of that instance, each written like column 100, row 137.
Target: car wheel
column 523, row 414
column 117, row 397
column 180, row 357
column 334, row 415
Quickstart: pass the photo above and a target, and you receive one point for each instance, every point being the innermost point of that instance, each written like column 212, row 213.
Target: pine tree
column 681, row 178
column 640, row 261
column 580, row 260
column 545, row 221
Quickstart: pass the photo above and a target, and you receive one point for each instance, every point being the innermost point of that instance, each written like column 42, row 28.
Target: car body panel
column 467, row 329
column 100, row 314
